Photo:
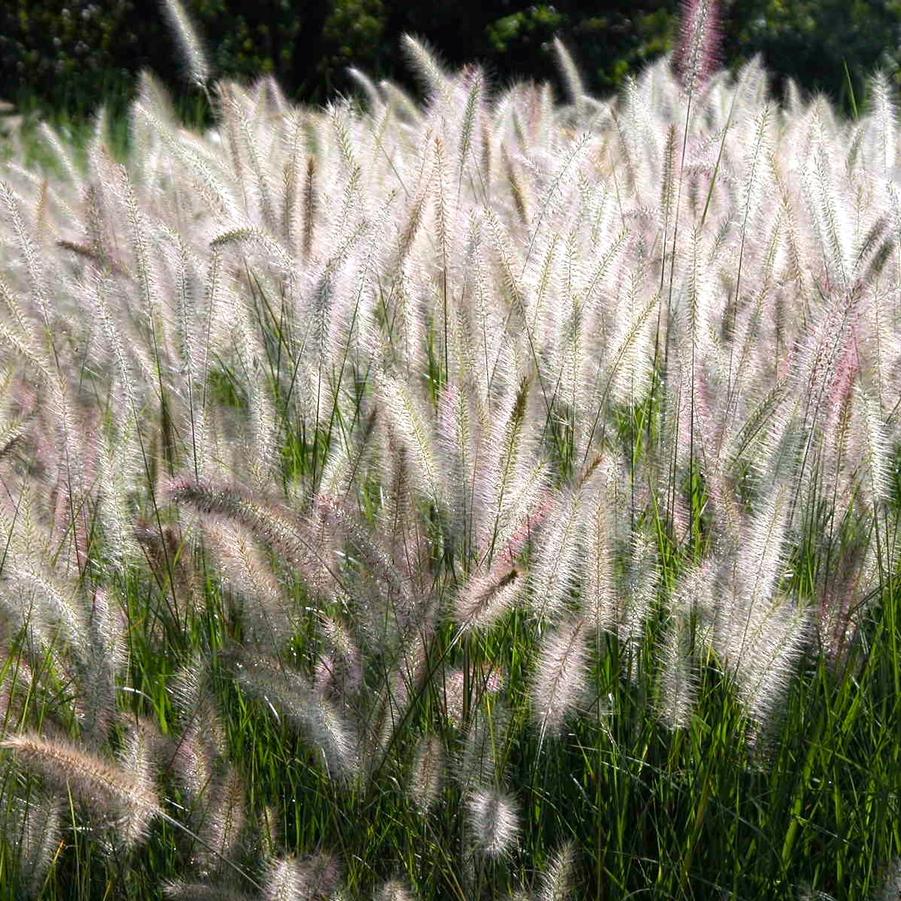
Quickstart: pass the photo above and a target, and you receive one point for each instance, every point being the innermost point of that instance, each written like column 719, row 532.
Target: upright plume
column 697, row 53
column 193, row 55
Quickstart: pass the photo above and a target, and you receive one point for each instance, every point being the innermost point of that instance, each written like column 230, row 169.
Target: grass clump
column 484, row 496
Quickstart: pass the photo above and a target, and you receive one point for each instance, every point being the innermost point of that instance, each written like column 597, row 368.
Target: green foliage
column 813, row 40
column 74, row 54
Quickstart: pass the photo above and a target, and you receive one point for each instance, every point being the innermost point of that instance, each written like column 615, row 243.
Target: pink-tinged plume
column 696, row 56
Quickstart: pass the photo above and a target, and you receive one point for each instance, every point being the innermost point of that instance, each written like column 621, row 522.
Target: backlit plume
column 440, row 467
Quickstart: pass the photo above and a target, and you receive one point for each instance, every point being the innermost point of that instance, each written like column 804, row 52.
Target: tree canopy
column 72, row 54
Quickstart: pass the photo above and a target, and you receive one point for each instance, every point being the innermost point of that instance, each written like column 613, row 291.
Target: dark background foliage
column 70, row 54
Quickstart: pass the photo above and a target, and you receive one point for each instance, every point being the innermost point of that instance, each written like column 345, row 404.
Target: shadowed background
column 69, row 55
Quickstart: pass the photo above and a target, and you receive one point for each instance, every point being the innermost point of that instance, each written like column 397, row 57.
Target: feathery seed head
column 696, row 54
column 193, row 55
column 493, row 821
